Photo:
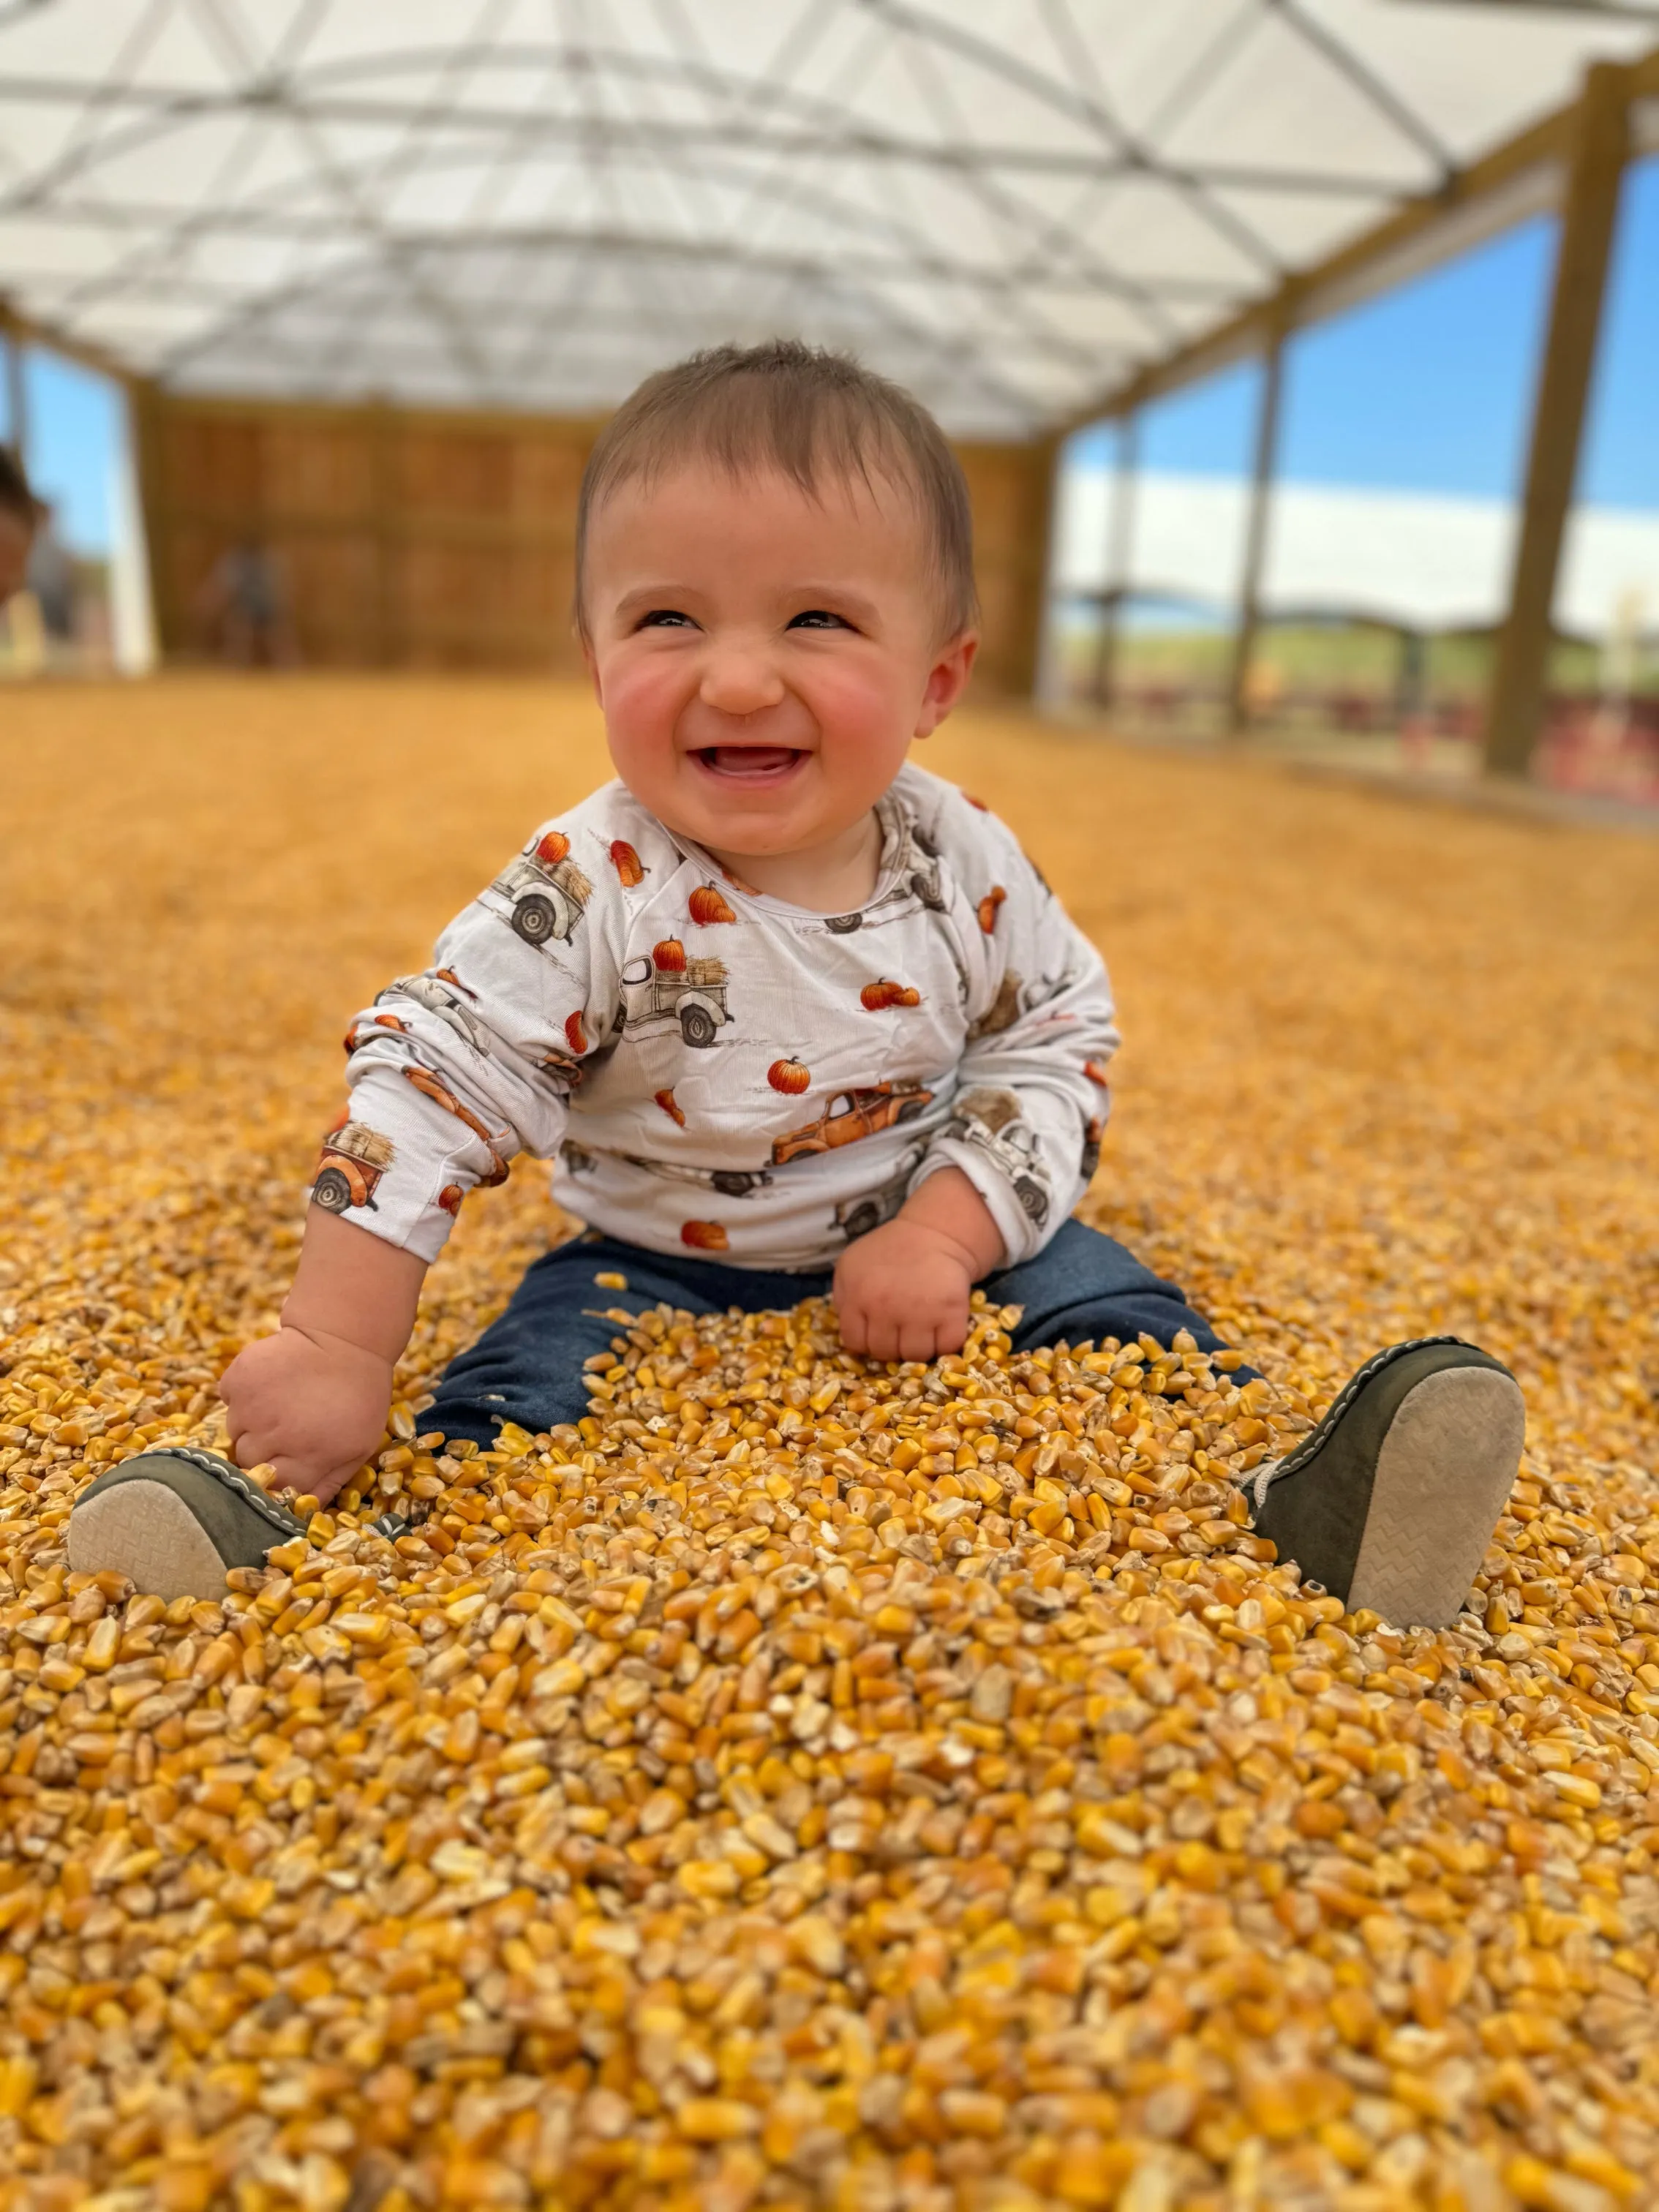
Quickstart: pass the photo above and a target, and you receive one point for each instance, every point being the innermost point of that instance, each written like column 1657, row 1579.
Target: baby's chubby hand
column 312, row 1400
column 312, row 1406
column 901, row 1291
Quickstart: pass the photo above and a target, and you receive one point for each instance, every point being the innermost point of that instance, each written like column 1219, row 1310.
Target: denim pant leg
column 527, row 1365
column 1085, row 1285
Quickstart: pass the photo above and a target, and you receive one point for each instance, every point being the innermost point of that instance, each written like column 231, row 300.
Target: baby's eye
column 817, row 618
column 667, row 618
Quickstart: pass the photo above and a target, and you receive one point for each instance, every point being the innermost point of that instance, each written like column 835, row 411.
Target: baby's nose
column 740, row 682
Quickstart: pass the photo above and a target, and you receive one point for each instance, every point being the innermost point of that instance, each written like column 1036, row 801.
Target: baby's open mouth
column 751, row 764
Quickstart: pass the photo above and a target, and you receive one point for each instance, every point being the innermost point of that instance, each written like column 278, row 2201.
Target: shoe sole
column 1443, row 1476
column 145, row 1530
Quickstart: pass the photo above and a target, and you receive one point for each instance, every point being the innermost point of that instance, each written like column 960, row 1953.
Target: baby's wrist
column 946, row 1243
column 332, row 1342
column 949, row 1207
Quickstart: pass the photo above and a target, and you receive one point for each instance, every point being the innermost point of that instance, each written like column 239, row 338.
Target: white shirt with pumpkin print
column 716, row 1070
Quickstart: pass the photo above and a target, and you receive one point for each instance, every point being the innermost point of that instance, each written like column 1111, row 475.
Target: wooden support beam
column 1120, row 557
column 1256, row 535
column 1515, row 705
column 16, row 325
column 1012, row 660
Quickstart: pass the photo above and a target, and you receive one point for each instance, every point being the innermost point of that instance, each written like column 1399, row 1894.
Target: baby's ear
column 947, row 679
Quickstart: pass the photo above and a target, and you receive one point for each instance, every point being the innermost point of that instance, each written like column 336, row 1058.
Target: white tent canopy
column 1012, row 204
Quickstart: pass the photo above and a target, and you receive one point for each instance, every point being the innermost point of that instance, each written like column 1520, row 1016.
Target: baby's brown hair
column 806, row 412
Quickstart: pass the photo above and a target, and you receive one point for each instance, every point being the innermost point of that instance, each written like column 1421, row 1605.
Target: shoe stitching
column 385, row 1524
column 1265, row 1476
column 231, row 1477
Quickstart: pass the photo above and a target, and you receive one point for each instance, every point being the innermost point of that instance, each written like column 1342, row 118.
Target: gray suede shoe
column 175, row 1520
column 1390, row 1502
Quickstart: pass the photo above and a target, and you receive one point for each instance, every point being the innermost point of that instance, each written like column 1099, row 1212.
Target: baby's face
column 765, row 659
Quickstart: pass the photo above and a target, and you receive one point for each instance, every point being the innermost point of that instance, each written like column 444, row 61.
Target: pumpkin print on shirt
column 630, row 871
column 707, row 906
column 877, row 996
column 789, row 1076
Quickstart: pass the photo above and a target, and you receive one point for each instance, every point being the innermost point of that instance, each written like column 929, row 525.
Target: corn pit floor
column 806, row 1785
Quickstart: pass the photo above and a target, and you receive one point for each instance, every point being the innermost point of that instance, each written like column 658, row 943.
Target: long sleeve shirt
column 713, row 1068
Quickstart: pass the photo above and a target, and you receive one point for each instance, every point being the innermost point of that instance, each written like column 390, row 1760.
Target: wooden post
column 1520, row 682
column 1120, row 556
column 1021, row 651
column 1256, row 535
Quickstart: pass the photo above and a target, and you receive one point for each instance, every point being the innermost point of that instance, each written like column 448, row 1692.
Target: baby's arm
column 1003, row 1174
column 901, row 1291
column 312, row 1400
column 452, row 1073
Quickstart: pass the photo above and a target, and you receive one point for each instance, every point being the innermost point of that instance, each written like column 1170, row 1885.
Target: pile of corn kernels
column 805, row 1784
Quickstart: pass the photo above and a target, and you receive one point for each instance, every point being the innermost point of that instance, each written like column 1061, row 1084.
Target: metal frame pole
column 1120, row 555
column 1256, row 539
column 1519, row 680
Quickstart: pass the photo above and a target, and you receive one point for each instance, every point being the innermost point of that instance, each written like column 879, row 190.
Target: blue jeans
column 527, row 1365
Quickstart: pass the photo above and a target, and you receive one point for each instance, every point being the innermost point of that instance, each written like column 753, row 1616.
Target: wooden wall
column 407, row 540
column 427, row 540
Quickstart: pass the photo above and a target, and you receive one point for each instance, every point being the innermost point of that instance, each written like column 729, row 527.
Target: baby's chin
column 732, row 835
column 746, row 826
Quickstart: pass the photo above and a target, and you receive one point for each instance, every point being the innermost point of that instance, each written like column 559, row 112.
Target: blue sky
column 1426, row 389
column 1429, row 388
column 77, row 421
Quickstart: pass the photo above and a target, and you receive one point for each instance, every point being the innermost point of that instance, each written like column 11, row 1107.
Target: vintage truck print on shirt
column 430, row 1087
column 851, row 1114
column 857, row 1217
column 442, row 992
column 730, row 1183
column 920, row 883
column 544, row 892
column 353, row 1159
column 992, row 1121
column 691, row 995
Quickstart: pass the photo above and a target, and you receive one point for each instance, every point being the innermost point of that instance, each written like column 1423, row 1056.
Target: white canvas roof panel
column 1014, row 204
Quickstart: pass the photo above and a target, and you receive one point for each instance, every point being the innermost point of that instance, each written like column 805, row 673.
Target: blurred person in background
column 52, row 577
column 244, row 608
column 17, row 523
column 20, row 611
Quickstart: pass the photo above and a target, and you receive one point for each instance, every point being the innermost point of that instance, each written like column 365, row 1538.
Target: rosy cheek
column 642, row 698
column 852, row 703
